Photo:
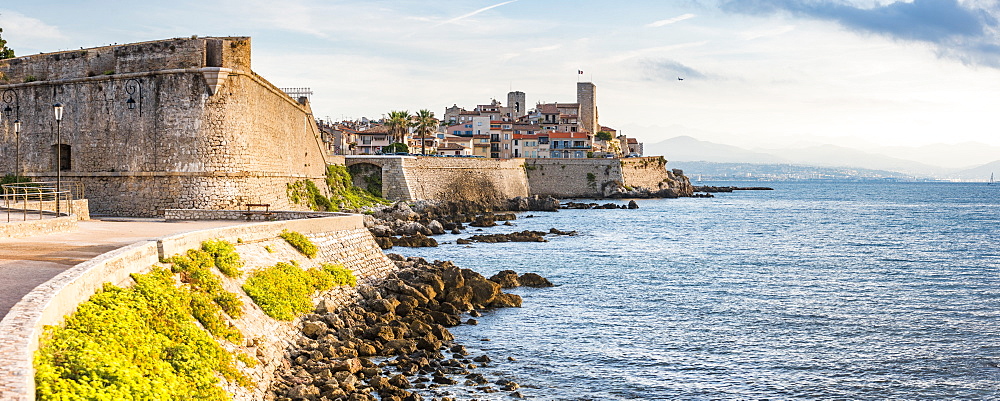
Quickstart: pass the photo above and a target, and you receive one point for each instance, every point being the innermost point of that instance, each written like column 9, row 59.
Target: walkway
column 27, row 262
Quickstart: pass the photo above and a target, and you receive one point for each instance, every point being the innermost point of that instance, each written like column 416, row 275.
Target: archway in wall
column 367, row 176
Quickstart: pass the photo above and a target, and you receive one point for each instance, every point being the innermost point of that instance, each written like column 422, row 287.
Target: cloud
column 965, row 31
column 669, row 21
column 651, row 50
column 667, row 69
column 781, row 30
column 26, row 29
column 467, row 15
column 544, row 48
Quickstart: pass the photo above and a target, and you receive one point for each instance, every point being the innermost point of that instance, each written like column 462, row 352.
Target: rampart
column 341, row 239
column 411, row 178
column 177, row 123
column 588, row 178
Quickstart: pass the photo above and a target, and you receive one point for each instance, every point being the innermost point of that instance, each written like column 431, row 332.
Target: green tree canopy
column 398, row 124
column 426, row 124
column 5, row 52
column 605, row 136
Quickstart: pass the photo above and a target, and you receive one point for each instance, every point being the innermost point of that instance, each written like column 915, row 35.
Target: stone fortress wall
column 205, row 131
column 342, row 239
column 412, row 178
column 587, row 178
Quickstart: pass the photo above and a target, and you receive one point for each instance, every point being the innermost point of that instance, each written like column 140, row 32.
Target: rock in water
column 633, row 205
column 534, row 280
column 506, row 279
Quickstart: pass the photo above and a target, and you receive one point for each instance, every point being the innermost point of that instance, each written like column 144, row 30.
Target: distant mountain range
column 841, row 159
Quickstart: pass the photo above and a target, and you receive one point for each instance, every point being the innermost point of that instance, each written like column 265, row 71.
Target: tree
column 426, row 124
column 398, row 124
column 5, row 52
column 396, row 148
column 605, row 136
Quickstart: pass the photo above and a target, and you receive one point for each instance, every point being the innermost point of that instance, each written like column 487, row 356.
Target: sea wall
column 592, row 178
column 412, row 178
column 178, row 123
column 341, row 239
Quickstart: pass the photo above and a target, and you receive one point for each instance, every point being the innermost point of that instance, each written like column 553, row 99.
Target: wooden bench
column 254, row 209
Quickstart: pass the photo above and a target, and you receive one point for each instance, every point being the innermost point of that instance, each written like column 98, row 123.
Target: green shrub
column 134, row 343
column 247, row 359
column 283, row 290
column 341, row 275
column 195, row 270
column 226, row 258
column 344, row 194
column 306, row 192
column 13, row 179
column 300, row 242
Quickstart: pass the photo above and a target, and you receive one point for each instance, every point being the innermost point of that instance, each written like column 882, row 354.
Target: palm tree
column 398, row 124
column 426, row 124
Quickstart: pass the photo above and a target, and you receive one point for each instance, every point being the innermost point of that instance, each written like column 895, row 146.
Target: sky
column 756, row 73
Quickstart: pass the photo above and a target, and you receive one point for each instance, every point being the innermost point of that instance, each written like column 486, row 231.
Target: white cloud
column 669, row 21
column 780, row 30
column 544, row 48
column 467, row 15
column 25, row 29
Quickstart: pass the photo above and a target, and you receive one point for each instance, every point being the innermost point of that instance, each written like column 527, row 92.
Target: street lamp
column 133, row 85
column 9, row 96
column 58, row 110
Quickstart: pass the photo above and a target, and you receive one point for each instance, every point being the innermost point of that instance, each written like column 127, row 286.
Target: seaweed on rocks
column 394, row 342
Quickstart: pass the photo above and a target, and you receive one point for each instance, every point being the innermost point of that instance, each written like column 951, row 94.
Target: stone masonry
column 341, row 239
column 203, row 131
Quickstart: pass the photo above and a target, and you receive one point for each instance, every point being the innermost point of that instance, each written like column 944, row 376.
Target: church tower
column 586, row 96
column 517, row 103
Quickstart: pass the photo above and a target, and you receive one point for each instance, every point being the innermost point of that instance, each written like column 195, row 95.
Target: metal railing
column 38, row 200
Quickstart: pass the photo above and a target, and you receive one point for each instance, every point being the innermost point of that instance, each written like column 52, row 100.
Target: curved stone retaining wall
column 340, row 239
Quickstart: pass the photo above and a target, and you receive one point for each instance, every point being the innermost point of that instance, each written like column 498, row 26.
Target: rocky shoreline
column 711, row 189
column 395, row 342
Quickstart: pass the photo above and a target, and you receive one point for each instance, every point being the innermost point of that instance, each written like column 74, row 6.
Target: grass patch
column 283, row 291
column 134, row 343
column 300, row 242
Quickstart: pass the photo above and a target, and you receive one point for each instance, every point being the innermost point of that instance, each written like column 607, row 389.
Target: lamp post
column 8, row 97
column 133, row 85
column 58, row 110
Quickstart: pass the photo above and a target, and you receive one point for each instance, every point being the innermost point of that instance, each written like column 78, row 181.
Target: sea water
column 810, row 291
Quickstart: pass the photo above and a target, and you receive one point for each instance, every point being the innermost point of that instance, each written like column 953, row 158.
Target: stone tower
column 586, row 96
column 517, row 103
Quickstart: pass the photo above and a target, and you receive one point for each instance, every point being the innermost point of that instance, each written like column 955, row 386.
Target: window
column 61, row 154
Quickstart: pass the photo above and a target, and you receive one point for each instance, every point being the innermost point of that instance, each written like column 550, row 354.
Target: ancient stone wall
column 341, row 240
column 587, row 178
column 411, row 178
column 485, row 180
column 202, row 130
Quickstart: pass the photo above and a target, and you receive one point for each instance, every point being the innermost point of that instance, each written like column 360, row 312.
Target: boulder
column 435, row 227
column 314, row 329
column 504, row 300
column 506, row 279
column 534, row 280
column 352, row 365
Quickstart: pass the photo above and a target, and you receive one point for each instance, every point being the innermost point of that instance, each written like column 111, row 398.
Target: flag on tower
column 579, row 72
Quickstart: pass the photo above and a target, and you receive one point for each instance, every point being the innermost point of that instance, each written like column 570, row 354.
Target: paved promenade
column 28, row 262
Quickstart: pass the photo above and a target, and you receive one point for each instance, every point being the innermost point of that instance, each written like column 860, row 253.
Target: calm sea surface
column 812, row 291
